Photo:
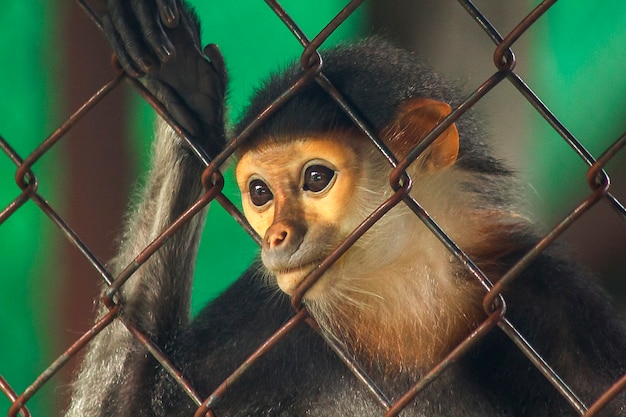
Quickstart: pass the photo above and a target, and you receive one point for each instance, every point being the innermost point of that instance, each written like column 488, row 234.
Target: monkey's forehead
column 266, row 138
column 276, row 153
column 373, row 75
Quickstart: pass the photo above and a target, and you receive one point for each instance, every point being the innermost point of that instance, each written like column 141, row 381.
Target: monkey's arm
column 117, row 369
column 117, row 374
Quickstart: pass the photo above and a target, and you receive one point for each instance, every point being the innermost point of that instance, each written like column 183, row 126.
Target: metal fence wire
column 504, row 59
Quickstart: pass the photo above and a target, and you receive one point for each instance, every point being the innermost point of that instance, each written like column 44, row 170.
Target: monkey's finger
column 212, row 51
column 118, row 47
column 207, row 98
column 152, row 31
column 168, row 10
column 125, row 25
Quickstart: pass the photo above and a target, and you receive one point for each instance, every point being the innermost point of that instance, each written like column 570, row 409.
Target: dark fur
column 375, row 77
column 555, row 305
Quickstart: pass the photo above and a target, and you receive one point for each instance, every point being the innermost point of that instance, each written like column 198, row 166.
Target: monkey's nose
column 275, row 238
column 283, row 238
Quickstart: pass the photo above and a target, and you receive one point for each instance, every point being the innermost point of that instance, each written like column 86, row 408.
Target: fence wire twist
column 495, row 307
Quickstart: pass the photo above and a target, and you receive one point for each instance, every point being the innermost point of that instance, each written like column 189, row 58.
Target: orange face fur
column 298, row 224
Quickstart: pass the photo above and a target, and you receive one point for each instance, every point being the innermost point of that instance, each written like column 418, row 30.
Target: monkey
column 397, row 300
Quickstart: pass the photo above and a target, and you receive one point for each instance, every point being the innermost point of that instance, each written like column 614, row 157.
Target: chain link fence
column 601, row 190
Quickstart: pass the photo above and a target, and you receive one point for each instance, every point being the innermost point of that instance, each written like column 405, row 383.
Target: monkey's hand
column 158, row 42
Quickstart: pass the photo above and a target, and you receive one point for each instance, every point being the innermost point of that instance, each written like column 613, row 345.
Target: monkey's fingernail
column 166, row 52
column 169, row 17
column 145, row 64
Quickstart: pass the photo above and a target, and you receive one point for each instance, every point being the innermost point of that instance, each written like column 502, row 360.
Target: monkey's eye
column 260, row 193
column 317, row 178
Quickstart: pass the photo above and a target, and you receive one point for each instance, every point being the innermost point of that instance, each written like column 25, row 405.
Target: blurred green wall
column 29, row 111
column 580, row 47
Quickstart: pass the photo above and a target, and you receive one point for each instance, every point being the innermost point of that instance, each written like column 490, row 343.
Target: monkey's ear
column 415, row 118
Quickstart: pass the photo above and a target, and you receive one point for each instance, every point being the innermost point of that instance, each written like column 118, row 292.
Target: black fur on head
column 375, row 77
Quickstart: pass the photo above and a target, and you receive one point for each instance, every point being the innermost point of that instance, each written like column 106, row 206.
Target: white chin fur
column 289, row 281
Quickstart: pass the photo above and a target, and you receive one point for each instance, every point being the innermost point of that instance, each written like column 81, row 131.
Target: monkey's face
column 297, row 196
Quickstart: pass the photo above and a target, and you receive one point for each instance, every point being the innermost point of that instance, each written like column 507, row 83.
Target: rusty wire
column 311, row 61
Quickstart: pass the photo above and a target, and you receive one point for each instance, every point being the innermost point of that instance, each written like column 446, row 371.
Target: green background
column 579, row 47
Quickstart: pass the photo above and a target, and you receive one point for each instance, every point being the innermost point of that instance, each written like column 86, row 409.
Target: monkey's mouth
column 289, row 278
column 309, row 266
